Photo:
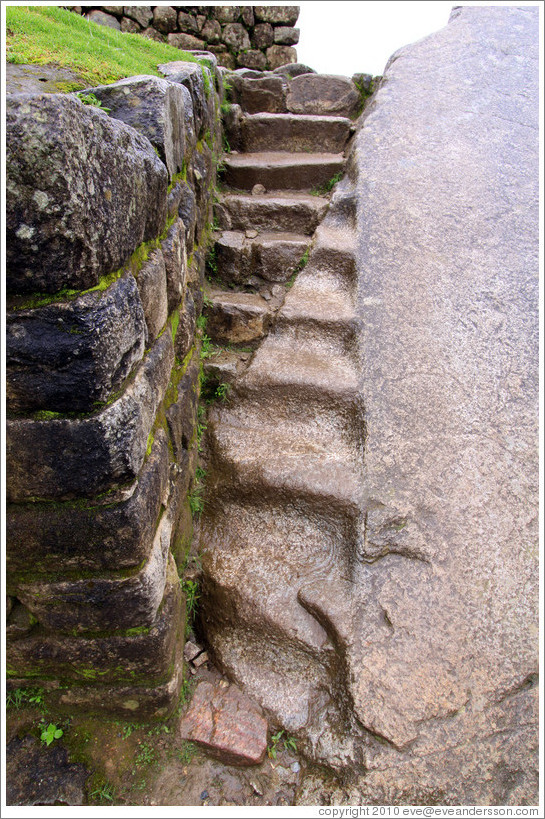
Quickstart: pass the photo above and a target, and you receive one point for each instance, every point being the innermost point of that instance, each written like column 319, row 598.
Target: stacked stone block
column 108, row 219
column 257, row 37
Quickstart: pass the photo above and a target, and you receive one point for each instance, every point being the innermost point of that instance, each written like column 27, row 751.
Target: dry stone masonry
column 108, row 224
column 258, row 37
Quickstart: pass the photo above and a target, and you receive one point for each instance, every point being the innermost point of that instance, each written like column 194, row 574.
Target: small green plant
column 50, row 733
column 146, row 755
column 127, row 731
column 190, row 589
column 207, row 301
column 222, row 391
column 92, row 99
column 21, row 697
column 211, row 261
column 327, row 187
column 103, row 792
column 186, row 752
column 278, row 741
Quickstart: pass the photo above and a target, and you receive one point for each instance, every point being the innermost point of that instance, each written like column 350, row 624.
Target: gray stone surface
column 98, row 451
column 82, row 192
column 398, row 632
column 68, row 356
column 152, row 286
column 174, row 254
column 102, row 603
column 142, row 14
column 278, row 55
column 155, row 108
column 109, row 534
column 101, row 19
column 449, row 309
column 42, row 776
column 322, row 94
column 277, row 14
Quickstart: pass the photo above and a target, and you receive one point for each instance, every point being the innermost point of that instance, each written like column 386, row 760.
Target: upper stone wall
column 258, row 37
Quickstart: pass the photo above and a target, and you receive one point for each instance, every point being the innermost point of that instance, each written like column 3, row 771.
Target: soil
column 99, row 762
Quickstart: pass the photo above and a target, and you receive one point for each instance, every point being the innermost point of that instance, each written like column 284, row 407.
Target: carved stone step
column 283, row 211
column 271, row 256
column 281, row 171
column 307, row 367
column 293, row 550
column 235, row 318
column 292, row 132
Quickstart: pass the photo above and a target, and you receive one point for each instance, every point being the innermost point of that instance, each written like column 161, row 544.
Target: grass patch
column 327, row 187
column 48, row 34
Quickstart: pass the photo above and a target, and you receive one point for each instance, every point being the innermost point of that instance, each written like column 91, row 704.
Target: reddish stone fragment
column 228, row 724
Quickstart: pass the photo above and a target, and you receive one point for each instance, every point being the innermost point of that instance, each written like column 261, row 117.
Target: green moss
column 149, row 444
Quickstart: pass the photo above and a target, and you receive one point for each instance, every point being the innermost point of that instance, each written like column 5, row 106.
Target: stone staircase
column 281, row 528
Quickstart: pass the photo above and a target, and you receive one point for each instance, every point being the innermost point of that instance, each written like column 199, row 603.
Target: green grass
column 99, row 54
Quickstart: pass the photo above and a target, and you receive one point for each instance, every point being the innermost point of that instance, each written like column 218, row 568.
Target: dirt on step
column 99, row 762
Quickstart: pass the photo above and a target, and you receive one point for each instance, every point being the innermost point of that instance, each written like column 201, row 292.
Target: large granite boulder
column 83, row 190
column 443, row 649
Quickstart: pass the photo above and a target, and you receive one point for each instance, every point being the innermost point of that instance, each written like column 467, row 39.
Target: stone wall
column 108, row 219
column 258, row 37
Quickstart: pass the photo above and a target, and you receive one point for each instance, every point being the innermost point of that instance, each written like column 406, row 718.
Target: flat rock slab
column 322, row 94
column 36, row 775
column 40, row 79
column 227, row 723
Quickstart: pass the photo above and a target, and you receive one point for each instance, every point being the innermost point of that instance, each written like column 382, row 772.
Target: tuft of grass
column 328, row 186
column 98, row 54
column 26, row 698
column 103, row 792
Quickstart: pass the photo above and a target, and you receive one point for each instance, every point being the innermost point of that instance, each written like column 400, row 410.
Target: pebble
column 251, row 233
column 204, row 795
column 258, row 189
column 191, row 650
column 295, row 767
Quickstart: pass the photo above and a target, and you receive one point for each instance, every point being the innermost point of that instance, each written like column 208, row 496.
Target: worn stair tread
column 294, row 132
column 280, row 159
column 279, row 211
column 272, row 458
column 269, row 236
column 304, row 303
column 277, row 170
column 281, row 362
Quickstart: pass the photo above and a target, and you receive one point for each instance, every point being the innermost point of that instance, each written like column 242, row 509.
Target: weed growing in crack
column 327, row 187
column 103, row 792
column 280, row 741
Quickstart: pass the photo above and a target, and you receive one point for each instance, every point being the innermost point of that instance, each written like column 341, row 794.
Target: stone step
column 283, row 211
column 292, row 132
column 332, row 311
column 271, row 256
column 266, row 574
column 306, row 367
column 287, row 464
column 281, row 171
column 236, row 318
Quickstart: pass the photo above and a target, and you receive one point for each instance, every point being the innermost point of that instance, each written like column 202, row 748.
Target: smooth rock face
column 155, row 108
column 69, row 355
column 152, row 286
column 227, row 723
column 370, row 544
column 76, row 171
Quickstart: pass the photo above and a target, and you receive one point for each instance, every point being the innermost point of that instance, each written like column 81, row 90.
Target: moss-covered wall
column 108, row 221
